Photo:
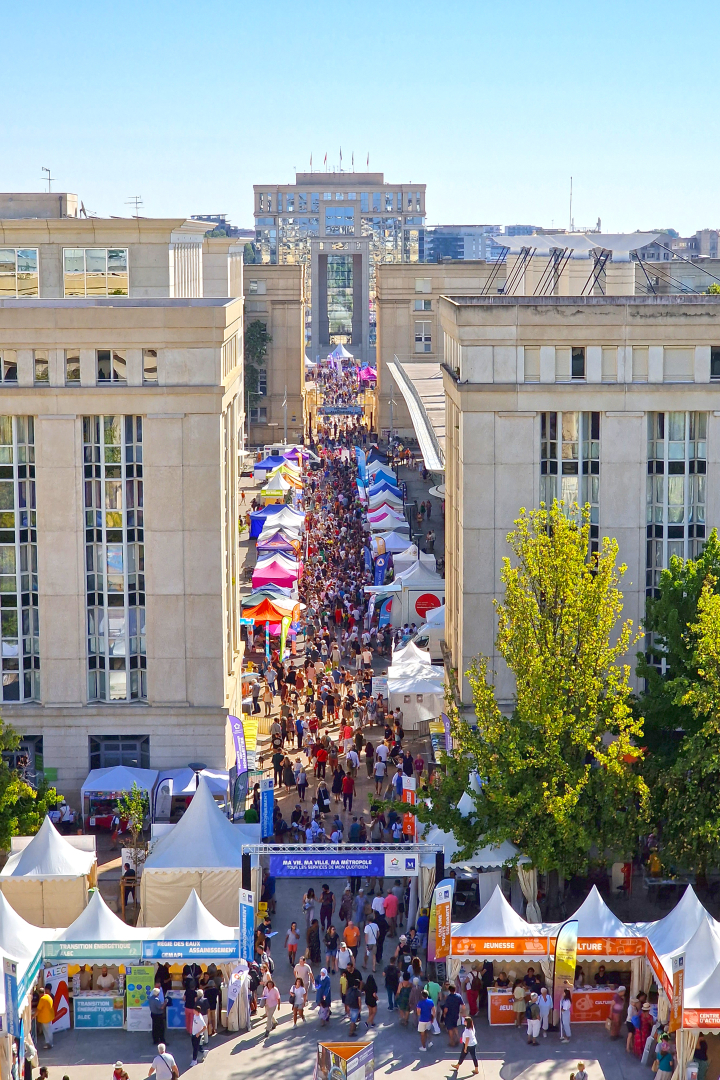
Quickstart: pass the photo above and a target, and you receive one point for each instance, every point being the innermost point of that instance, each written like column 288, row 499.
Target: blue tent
column 384, row 486
column 270, row 462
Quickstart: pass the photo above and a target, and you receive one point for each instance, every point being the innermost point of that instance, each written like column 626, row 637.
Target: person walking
column 199, row 1028
column 271, row 1000
column 309, row 907
column 469, row 1044
column 163, row 1065
column 451, row 1014
column 545, row 1005
column 392, row 982
column 425, row 1014
column 565, row 1013
column 371, row 1000
column 45, row 1015
column 372, row 931
column 298, row 997
column 533, row 1020
column 292, row 940
column 157, row 1005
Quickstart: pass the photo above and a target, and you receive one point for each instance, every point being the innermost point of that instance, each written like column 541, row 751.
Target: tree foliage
column 557, row 776
column 22, row 807
column 132, row 805
column 687, row 800
column 667, row 619
column 257, row 340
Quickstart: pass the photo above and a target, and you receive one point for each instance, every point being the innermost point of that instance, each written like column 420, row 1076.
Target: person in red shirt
column 348, row 790
column 322, row 756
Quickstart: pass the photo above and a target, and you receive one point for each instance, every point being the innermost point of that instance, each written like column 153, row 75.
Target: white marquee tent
column 195, row 923
column 48, row 880
column 99, row 923
column 202, row 852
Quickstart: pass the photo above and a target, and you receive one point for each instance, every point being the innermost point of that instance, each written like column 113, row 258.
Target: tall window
column 41, row 366
column 423, row 337
column 8, row 366
column 109, row 751
column 150, row 373
column 339, row 221
column 18, row 561
column 715, row 362
column 302, row 202
column 364, row 202
column 340, row 293
column 72, row 367
column 114, row 558
column 377, row 201
column 577, row 362
column 570, row 462
column 19, row 272
column 111, row 366
column 677, row 463
column 95, row 271
column 315, row 202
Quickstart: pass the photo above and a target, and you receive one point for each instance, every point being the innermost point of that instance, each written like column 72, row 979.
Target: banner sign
column 191, row 950
column 247, row 925
column 267, row 805
column 238, row 734
column 442, row 899
column 361, row 465
column 99, row 1012
column 565, row 961
column 139, row 986
column 385, row 611
column 343, row 865
column 678, row 988
column 447, row 732
column 28, row 978
column 12, row 1013
column 94, row 951
column 380, row 686
column 340, row 410
column 499, row 946
column 368, row 560
column 57, row 977
column 380, row 568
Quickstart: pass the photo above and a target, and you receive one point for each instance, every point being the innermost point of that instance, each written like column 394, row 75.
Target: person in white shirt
column 353, row 761
column 344, row 957
column 305, row 972
column 378, row 903
column 105, row 980
column 372, row 931
column 163, row 1065
column 545, row 1004
column 382, row 752
column 199, row 1028
column 469, row 1042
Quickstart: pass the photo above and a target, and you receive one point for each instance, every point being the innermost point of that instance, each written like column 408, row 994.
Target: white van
column 431, row 633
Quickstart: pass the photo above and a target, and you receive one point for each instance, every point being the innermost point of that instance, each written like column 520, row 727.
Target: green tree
column 669, row 665
column 687, row 799
column 132, row 806
column 257, row 340
column 714, row 288
column 22, row 807
column 558, row 775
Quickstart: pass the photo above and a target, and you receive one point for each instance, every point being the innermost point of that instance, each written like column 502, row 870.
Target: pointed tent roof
column 383, row 499
column 341, row 353
column 396, row 542
column 496, row 919
column 384, row 485
column 20, row 940
column 410, row 655
column 702, row 955
column 278, row 541
column 271, row 462
column 595, row 919
column 98, row 923
column 203, row 839
column 668, row 936
column 48, row 855
column 488, row 857
column 377, row 455
column 194, row 922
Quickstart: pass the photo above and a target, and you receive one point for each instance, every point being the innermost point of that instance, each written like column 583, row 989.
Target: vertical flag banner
column 12, row 1015
column 448, row 732
column 267, row 805
column 247, row 925
column 565, row 961
column 385, row 611
column 678, row 984
column 440, row 920
column 361, row 463
column 238, row 734
column 380, row 568
column 284, row 627
column 267, row 640
column 409, row 797
column 368, row 560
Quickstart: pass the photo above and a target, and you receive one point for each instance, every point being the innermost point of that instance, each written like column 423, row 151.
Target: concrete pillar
column 620, row 279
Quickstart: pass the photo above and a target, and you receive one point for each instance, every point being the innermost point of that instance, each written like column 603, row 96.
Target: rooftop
column 667, row 300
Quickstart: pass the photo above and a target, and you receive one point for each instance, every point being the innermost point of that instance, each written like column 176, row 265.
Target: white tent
column 202, row 852
column 668, row 936
column 385, row 498
column 48, row 880
column 395, row 542
column 117, row 779
column 340, row 353
column 22, row 941
column 410, row 656
column 404, row 560
column 286, row 518
column 181, row 782
column 596, row 920
column 99, row 923
column 420, row 697
column 496, row 920
column 195, row 923
column 487, row 857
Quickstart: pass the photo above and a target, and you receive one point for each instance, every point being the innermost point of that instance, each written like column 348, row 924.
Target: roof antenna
column 571, row 219
column 49, row 178
column 136, row 201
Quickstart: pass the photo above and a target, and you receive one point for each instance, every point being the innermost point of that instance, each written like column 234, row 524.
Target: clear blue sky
column 492, row 105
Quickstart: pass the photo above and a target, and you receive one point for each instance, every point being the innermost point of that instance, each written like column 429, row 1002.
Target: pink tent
column 367, row 374
column 275, row 573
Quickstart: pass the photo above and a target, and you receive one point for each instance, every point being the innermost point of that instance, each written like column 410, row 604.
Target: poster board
column 99, row 1011
column 344, row 1061
column 57, row 977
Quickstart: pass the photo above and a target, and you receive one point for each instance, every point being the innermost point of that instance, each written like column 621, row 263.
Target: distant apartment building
column 341, row 226
column 122, row 417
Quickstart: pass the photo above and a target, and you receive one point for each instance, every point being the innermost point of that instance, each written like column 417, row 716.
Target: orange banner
column 443, row 915
column 501, row 1009
column 678, row 987
column 610, row 946
column 508, row 946
column 591, row 1006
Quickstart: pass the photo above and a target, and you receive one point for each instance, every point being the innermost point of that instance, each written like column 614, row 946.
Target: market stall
column 48, row 879
column 22, row 942
column 100, row 950
column 176, row 788
column 103, row 788
column 202, row 852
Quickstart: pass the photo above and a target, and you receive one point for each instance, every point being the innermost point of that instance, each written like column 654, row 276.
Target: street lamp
column 197, row 767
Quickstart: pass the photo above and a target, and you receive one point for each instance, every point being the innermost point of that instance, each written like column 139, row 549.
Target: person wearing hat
column 532, row 1014
column 617, row 1012
column 158, row 1005
column 643, row 1029
column 119, row 1071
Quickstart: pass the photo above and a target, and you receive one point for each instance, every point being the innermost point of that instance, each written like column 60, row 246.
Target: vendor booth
column 394, row 542
column 421, row 697
column 202, row 852
column 176, row 788
column 100, row 950
column 277, row 514
column 22, row 942
column 280, row 540
column 48, row 879
column 103, row 788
